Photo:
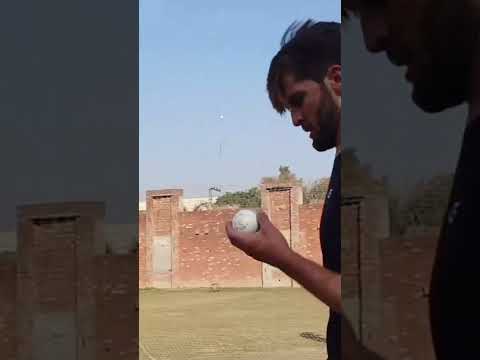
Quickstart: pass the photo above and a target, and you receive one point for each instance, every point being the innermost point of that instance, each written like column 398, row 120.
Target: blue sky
column 205, row 117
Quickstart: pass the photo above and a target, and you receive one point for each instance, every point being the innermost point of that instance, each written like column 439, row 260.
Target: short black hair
column 307, row 50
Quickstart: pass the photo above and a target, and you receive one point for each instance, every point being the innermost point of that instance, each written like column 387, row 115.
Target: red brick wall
column 161, row 212
column 309, row 244
column 406, row 323
column 8, row 288
column 205, row 255
column 117, row 307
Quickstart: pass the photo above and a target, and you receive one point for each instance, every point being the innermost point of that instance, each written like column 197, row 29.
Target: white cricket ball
column 245, row 221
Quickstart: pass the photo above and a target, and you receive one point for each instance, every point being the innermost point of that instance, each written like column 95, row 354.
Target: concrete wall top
column 165, row 192
column 51, row 210
column 274, row 185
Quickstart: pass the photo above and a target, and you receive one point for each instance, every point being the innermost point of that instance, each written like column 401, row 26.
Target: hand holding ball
column 254, row 234
column 245, row 221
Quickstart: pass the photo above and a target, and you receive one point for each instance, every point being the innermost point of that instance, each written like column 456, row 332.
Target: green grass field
column 237, row 324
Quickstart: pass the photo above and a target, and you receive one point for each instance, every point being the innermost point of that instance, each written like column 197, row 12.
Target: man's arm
column 270, row 246
column 322, row 283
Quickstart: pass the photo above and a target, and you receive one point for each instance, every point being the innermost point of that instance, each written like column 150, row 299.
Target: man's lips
column 308, row 130
column 402, row 61
column 410, row 73
column 397, row 59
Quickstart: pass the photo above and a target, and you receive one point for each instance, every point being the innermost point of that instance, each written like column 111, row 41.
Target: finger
column 263, row 221
column 231, row 233
column 228, row 228
column 238, row 238
column 262, row 217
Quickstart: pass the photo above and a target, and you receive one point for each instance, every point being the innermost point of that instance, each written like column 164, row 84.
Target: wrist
column 290, row 258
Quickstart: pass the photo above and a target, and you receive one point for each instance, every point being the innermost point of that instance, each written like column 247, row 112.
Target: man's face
column 312, row 107
column 430, row 38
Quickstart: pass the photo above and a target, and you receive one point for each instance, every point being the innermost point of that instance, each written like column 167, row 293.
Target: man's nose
column 297, row 118
column 375, row 32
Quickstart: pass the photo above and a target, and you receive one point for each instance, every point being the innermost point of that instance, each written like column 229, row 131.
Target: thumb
column 238, row 239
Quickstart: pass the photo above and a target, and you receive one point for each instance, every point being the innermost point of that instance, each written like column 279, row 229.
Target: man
column 305, row 79
column 438, row 42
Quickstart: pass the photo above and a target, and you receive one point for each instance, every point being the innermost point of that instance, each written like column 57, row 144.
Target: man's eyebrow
column 294, row 96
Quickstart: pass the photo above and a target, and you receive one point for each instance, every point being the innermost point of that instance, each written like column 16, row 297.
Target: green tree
column 284, row 175
column 244, row 199
column 428, row 201
column 313, row 192
column 316, row 191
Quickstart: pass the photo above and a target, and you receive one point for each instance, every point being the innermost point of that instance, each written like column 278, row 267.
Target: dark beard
column 327, row 114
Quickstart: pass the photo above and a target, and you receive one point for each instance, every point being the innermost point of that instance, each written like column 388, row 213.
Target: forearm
column 324, row 284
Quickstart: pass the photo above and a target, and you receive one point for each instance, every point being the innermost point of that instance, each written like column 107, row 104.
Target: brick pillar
column 351, row 281
column 296, row 200
column 162, row 230
column 8, row 300
column 376, row 229
column 56, row 303
column 365, row 224
column 143, row 280
column 281, row 202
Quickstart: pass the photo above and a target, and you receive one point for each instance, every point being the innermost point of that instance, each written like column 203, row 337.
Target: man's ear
column 333, row 79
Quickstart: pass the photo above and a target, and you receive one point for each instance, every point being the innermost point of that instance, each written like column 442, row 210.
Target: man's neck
column 338, row 148
column 474, row 101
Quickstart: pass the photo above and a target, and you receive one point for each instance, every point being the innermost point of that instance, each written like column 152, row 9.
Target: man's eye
column 296, row 101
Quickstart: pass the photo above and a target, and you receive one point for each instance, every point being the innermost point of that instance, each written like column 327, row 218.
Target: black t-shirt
column 453, row 305
column 331, row 246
